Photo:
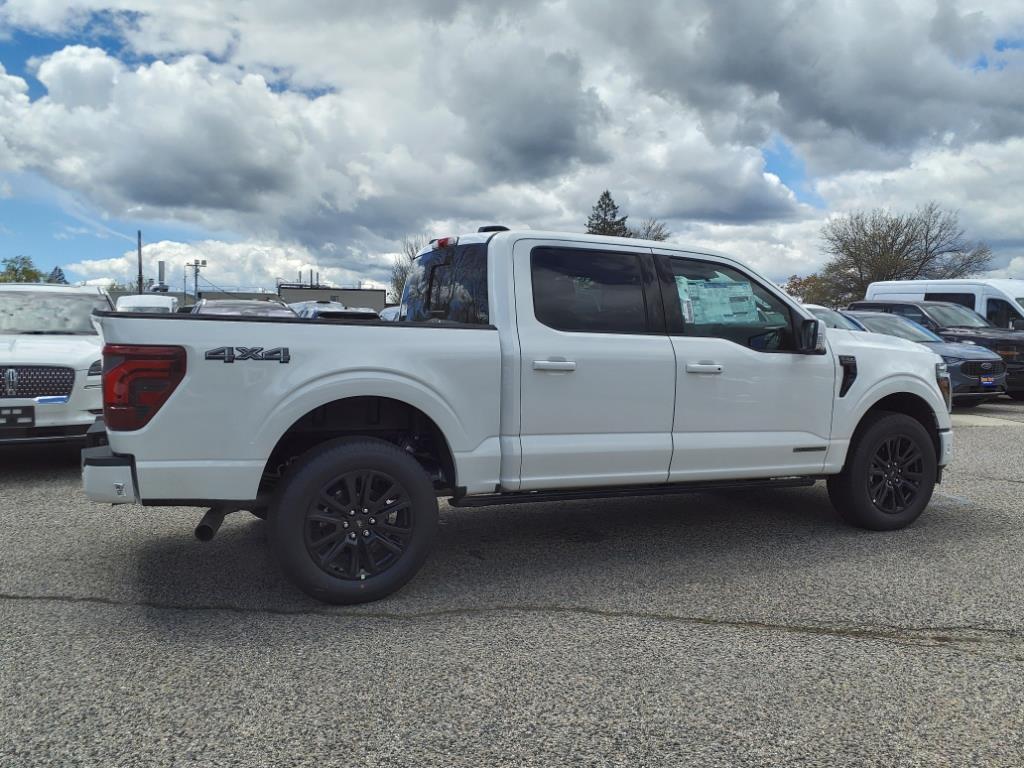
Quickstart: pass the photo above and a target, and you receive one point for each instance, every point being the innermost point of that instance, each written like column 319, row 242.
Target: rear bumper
column 106, row 476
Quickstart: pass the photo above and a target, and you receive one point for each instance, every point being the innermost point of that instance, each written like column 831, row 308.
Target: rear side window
column 590, row 291
column 964, row 299
column 909, row 311
column 448, row 284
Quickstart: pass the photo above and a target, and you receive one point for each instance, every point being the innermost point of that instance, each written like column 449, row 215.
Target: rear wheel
column 889, row 474
column 353, row 520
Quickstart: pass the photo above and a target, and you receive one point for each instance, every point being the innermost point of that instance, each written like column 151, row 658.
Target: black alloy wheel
column 894, row 477
column 359, row 525
column 353, row 520
column 890, row 473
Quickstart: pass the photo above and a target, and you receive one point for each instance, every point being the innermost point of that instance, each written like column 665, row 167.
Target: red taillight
column 137, row 380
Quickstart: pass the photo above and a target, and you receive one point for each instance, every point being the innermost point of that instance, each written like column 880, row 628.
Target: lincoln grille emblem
column 11, row 382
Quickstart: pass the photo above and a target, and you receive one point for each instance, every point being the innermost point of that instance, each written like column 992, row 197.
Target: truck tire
column 353, row 520
column 1017, row 394
column 889, row 474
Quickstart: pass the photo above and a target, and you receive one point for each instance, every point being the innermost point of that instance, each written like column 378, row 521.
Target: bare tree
column 411, row 245
column 867, row 246
column 650, row 229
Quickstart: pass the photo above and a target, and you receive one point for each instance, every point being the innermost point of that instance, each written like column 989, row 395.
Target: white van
column 147, row 302
column 1000, row 301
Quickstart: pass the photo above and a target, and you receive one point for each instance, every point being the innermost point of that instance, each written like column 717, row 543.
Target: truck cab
column 525, row 366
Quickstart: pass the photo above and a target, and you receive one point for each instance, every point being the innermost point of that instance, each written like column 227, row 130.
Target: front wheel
column 353, row 520
column 1017, row 394
column 889, row 474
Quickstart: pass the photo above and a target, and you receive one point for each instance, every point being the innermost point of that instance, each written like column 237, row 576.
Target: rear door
column 747, row 405
column 597, row 369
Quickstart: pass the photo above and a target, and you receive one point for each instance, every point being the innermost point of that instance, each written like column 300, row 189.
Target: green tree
column 57, row 276
column 813, row 289
column 604, row 219
column 650, row 229
column 867, row 246
column 411, row 245
column 19, row 269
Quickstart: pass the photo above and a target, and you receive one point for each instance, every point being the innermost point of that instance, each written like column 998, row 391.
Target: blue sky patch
column 780, row 159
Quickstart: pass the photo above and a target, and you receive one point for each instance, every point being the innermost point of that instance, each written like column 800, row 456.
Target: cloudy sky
column 269, row 136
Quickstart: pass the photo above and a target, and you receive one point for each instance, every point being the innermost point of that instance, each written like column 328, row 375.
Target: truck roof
column 484, row 237
column 1007, row 284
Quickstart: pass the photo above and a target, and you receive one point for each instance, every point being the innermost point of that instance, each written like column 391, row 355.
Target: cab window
column 709, row 299
column 448, row 284
column 588, row 291
column 1001, row 313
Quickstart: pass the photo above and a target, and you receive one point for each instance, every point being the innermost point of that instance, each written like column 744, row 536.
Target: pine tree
column 604, row 219
column 57, row 276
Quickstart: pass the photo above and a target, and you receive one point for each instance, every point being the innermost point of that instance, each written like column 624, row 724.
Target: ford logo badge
column 986, row 366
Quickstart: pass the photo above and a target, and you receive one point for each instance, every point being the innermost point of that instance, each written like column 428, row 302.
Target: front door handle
column 703, row 368
column 554, row 365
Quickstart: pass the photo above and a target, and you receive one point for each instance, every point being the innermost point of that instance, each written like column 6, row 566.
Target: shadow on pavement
column 539, row 554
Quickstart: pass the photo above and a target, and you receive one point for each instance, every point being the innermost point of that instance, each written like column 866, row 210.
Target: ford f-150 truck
column 525, row 366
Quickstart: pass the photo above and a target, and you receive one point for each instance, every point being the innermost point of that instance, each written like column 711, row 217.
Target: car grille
column 983, row 367
column 36, row 381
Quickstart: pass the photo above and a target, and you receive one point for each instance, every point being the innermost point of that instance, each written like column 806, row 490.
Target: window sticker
column 717, row 302
column 682, row 288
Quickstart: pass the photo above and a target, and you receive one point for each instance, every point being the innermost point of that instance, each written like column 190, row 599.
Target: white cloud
column 324, row 131
column 244, row 265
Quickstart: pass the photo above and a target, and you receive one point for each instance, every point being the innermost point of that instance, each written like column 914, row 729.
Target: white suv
column 50, row 361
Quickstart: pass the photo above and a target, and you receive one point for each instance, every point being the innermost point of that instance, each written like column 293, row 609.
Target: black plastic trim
column 849, row 366
column 811, row 449
column 102, row 456
column 627, row 491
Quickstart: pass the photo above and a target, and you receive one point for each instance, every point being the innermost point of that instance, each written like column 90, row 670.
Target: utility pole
column 195, row 275
column 140, row 262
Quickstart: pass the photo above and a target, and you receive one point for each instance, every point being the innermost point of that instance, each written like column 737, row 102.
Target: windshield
column 952, row 316
column 833, row 319
column 49, row 312
column 893, row 325
column 148, row 308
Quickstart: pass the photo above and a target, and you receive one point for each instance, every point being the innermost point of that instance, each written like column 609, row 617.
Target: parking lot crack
column 1007, row 643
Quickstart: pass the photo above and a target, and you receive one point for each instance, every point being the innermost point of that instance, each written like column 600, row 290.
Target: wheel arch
column 907, row 403
column 403, row 421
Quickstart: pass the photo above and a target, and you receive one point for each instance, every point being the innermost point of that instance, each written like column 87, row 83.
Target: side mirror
column 811, row 337
column 1018, row 324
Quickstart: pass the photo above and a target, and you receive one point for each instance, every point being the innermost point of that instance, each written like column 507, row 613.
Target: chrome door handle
column 703, row 368
column 554, row 365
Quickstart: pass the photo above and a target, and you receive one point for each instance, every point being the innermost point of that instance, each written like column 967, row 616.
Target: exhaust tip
column 209, row 524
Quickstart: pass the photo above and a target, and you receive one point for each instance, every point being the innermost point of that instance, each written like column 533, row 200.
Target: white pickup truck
column 526, row 366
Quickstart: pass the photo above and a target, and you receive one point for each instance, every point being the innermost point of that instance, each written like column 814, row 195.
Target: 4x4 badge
column 231, row 354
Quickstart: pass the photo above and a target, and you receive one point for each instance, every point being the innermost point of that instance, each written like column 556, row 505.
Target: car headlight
column 942, row 379
column 96, row 368
column 952, row 360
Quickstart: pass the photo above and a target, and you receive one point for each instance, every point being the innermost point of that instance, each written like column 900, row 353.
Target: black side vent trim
column 849, row 364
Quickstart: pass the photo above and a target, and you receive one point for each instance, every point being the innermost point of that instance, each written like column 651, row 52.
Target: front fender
column 893, row 385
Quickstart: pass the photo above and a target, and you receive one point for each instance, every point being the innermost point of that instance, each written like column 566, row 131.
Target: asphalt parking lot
column 718, row 629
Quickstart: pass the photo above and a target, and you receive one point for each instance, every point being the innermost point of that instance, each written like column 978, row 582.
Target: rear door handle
column 703, row 368
column 554, row 365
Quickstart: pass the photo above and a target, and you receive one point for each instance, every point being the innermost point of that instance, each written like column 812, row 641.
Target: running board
column 530, row 497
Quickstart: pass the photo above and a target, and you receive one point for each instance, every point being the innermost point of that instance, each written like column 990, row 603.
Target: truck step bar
column 531, row 497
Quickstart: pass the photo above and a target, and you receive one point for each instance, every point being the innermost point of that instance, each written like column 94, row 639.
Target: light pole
column 195, row 265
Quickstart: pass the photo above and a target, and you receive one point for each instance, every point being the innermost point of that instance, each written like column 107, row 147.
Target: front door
column 597, row 369
column 747, row 405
